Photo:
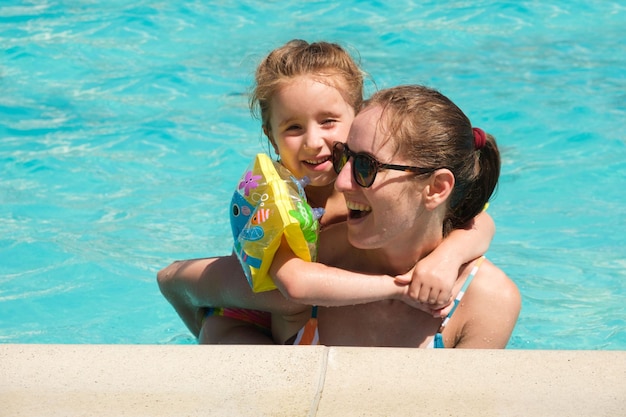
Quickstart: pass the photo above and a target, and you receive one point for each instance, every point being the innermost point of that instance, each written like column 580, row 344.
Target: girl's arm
column 314, row 283
column 434, row 276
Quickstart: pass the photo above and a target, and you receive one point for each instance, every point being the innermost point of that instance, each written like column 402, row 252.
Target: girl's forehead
column 307, row 97
column 306, row 81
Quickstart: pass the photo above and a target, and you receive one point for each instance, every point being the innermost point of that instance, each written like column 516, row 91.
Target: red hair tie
column 480, row 139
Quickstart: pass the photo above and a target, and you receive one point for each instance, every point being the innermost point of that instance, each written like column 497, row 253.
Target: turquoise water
column 123, row 128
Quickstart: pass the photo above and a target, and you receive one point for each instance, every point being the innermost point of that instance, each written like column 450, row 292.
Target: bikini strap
column 470, row 277
column 308, row 334
column 459, row 296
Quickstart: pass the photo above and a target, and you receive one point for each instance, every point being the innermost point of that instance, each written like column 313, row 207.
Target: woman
column 412, row 169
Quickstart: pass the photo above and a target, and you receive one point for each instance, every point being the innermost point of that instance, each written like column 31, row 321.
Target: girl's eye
column 329, row 121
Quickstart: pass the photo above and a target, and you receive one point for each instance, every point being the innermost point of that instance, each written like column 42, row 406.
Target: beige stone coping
column 183, row 380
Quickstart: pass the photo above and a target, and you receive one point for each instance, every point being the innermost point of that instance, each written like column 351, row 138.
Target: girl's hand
column 430, row 286
column 405, row 281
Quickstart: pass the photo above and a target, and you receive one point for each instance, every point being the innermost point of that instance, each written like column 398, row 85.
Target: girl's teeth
column 317, row 161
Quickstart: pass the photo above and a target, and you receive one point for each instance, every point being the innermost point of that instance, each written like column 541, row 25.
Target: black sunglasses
column 365, row 166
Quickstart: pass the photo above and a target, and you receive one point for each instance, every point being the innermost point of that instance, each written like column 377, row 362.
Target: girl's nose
column 314, row 138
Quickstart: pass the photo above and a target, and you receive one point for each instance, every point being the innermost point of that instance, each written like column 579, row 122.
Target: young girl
column 307, row 96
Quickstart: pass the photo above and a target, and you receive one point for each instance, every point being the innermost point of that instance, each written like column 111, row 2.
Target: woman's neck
column 401, row 258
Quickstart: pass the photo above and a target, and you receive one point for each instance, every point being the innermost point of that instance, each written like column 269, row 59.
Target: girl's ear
column 438, row 189
column 269, row 137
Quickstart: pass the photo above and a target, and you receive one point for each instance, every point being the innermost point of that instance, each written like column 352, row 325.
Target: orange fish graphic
column 260, row 216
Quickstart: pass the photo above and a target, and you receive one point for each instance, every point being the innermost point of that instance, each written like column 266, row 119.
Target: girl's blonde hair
column 328, row 62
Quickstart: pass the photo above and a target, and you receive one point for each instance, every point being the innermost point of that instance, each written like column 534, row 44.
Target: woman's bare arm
column 192, row 285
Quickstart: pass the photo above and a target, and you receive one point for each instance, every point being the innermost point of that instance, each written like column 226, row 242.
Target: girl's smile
column 307, row 117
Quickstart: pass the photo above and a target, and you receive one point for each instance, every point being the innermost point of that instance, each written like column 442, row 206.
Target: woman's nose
column 344, row 181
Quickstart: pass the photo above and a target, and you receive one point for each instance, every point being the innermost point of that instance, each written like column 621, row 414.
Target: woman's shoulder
column 489, row 310
column 492, row 282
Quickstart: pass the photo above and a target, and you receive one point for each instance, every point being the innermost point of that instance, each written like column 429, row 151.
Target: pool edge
column 174, row 380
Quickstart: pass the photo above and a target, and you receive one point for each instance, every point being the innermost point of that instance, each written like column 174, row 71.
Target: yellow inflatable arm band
column 270, row 203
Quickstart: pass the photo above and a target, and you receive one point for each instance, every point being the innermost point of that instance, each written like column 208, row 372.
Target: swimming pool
column 123, row 129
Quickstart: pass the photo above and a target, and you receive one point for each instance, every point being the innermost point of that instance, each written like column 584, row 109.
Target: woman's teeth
column 357, row 210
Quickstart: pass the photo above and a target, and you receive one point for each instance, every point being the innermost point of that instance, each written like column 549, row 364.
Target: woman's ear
column 438, row 189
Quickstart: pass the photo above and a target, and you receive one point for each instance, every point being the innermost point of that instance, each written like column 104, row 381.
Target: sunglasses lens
column 364, row 167
column 340, row 157
column 364, row 170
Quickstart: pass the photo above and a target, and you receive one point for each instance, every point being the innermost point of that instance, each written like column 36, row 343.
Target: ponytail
column 481, row 188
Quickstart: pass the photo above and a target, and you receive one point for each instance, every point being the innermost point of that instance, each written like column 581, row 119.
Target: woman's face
column 306, row 118
column 389, row 212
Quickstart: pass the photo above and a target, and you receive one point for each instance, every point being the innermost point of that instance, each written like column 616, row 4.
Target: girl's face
column 388, row 214
column 306, row 118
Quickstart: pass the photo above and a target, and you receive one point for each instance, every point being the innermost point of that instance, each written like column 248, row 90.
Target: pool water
column 124, row 127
